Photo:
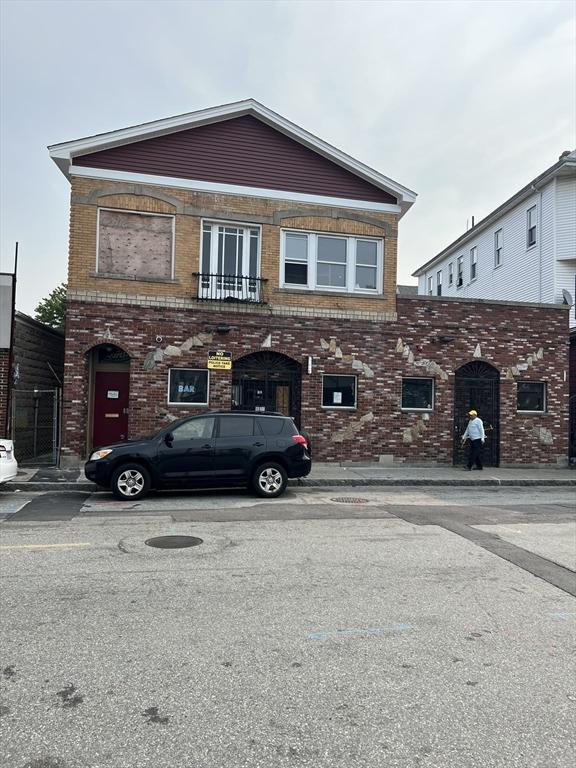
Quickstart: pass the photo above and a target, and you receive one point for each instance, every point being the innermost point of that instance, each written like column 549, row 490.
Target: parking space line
column 46, row 546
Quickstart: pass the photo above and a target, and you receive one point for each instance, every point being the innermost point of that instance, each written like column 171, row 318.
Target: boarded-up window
column 135, row 245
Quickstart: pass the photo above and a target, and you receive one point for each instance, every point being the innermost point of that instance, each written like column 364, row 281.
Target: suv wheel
column 130, row 482
column 270, row 480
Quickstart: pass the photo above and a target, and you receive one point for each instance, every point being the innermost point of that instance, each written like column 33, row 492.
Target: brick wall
column 189, row 208
column 431, row 337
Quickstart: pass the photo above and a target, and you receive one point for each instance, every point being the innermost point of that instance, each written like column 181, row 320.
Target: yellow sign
column 220, row 360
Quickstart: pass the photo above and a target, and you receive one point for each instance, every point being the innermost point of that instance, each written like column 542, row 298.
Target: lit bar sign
column 220, row 360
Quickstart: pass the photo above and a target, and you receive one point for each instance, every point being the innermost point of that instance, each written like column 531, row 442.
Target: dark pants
column 474, row 457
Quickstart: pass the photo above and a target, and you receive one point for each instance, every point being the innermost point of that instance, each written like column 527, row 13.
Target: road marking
column 45, row 546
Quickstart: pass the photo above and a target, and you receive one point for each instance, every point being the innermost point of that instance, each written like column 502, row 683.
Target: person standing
column 475, row 433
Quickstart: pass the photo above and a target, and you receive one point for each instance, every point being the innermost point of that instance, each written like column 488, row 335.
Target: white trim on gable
column 63, row 154
column 230, row 189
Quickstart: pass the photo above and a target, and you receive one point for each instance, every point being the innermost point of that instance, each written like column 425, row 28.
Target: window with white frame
column 430, row 285
column 531, row 227
column 332, row 262
column 417, row 394
column 531, row 396
column 229, row 261
column 451, row 273
column 439, row 283
column 460, row 272
column 187, row 386
column 338, row 391
column 497, row 247
column 473, row 263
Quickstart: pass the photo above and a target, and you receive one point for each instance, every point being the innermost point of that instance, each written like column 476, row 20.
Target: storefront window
column 531, row 396
column 418, row 394
column 339, row 391
column 187, row 386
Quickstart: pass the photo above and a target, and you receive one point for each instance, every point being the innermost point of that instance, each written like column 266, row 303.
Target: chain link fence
column 36, row 425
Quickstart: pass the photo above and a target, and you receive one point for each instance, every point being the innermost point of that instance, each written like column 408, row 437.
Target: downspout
column 539, row 230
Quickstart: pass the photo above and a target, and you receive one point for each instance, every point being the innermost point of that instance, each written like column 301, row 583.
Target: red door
column 111, row 393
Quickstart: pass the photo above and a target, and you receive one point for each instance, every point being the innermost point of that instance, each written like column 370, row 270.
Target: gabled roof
column 63, row 154
column 566, row 164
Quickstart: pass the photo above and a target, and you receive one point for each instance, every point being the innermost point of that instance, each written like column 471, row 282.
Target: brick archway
column 267, row 381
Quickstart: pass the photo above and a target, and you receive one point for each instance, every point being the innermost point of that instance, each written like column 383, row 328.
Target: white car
column 8, row 464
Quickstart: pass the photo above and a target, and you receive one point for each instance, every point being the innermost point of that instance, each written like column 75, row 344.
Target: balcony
column 213, row 286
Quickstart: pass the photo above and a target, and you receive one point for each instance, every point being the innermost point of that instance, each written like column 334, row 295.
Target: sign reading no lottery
column 220, row 360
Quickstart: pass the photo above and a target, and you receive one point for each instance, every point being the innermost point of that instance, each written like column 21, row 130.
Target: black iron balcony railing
column 213, row 286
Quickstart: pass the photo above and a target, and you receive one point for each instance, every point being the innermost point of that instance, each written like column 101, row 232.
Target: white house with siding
column 525, row 250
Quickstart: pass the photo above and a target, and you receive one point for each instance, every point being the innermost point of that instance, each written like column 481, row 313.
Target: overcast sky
column 463, row 102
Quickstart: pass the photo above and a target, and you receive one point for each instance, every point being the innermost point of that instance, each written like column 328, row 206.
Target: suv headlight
column 100, row 454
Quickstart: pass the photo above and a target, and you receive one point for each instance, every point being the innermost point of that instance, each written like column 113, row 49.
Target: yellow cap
column 472, row 413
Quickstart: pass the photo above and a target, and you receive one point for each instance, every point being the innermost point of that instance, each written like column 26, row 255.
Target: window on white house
column 498, row 248
column 439, row 283
column 473, row 263
column 531, row 226
column 417, row 394
column 431, row 285
column 332, row 262
column 187, row 386
column 460, row 272
column 338, row 391
column 451, row 273
column 531, row 396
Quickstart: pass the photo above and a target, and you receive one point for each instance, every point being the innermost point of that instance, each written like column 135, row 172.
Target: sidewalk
column 326, row 474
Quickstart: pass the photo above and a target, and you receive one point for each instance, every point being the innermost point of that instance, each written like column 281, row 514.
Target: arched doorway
column 109, row 395
column 267, row 381
column 477, row 387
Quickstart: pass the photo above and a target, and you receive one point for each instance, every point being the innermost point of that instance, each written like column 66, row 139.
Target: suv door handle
column 206, row 446
column 258, row 445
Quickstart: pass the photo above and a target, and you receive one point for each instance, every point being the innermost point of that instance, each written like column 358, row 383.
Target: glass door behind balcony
column 230, row 269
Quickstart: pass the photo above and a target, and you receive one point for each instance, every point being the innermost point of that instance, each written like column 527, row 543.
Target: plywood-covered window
column 135, row 245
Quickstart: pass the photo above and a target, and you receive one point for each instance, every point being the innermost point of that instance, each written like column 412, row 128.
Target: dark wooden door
column 476, row 387
column 111, row 397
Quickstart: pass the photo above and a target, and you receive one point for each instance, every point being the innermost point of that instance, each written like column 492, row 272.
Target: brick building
column 234, row 230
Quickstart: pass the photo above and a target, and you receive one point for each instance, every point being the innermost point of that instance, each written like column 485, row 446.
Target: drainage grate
column 349, row 500
column 173, row 542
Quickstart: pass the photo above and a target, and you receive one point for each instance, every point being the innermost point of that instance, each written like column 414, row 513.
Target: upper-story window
column 230, row 261
column 531, row 227
column 135, row 246
column 473, row 263
column 314, row 260
column 460, row 272
column 430, row 285
column 497, row 247
column 439, row 283
column 451, row 273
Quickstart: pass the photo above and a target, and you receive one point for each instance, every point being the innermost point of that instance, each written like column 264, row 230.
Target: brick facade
column 431, row 337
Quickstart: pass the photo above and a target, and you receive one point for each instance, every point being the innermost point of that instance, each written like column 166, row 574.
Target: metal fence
column 36, row 425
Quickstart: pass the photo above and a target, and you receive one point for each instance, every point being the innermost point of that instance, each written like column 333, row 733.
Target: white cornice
column 230, row 189
column 64, row 153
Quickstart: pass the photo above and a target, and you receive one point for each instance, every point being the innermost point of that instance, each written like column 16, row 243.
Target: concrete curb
column 357, row 482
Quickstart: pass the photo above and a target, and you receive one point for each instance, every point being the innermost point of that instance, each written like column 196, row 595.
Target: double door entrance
column 267, row 381
column 477, row 387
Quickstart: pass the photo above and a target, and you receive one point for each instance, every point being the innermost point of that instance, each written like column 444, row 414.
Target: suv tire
column 269, row 480
column 130, row 482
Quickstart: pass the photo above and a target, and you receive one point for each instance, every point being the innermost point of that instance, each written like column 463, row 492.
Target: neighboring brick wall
column 429, row 335
column 4, row 378
column 190, row 207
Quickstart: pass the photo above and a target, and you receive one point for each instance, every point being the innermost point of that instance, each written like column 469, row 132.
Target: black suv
column 261, row 450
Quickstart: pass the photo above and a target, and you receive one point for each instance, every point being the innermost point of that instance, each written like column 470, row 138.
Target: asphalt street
column 334, row 628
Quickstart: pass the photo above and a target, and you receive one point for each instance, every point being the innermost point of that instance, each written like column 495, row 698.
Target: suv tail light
column 300, row 440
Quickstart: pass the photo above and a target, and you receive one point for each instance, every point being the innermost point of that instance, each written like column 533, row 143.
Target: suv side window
column 195, row 429
column 236, row 426
column 271, row 425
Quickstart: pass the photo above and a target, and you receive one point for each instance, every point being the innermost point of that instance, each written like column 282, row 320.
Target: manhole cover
column 349, row 500
column 173, row 542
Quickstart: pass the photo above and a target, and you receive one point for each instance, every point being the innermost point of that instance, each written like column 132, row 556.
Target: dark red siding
column 241, row 151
